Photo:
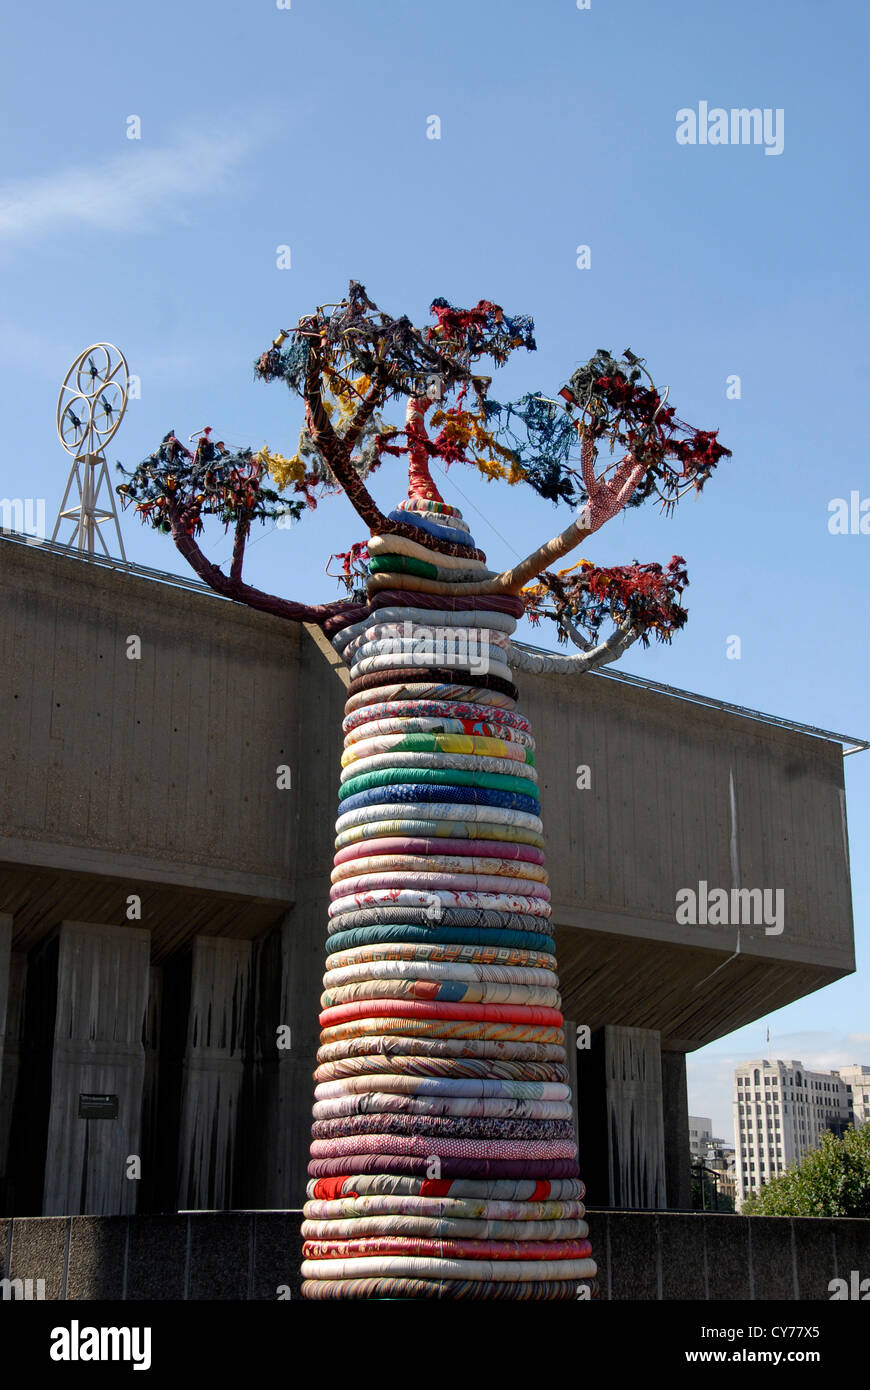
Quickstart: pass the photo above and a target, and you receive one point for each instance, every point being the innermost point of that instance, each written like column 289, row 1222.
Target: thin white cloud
column 135, row 189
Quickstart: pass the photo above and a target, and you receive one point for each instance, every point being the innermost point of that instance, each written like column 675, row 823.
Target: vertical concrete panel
column 11, row 1062
column 621, row 1119
column 151, row 1090
column 260, row 1138
column 303, row 982
column 634, row 1118
column 675, row 1115
column 5, row 990
column 5, row 960
column 102, row 990
column 591, row 1101
column 28, row 1140
column 213, row 1072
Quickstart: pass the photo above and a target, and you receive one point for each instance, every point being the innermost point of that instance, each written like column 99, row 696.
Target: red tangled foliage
column 484, row 330
column 615, row 404
column 648, row 596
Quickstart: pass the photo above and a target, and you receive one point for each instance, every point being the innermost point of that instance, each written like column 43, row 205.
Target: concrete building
column 857, row 1082
column 720, row 1160
column 781, row 1111
column 700, row 1134
column 713, row 1155
column 164, row 899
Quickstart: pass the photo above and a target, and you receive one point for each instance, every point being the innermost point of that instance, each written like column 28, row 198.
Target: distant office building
column 857, row 1079
column 781, row 1111
column 714, row 1156
column 700, row 1134
column 721, row 1159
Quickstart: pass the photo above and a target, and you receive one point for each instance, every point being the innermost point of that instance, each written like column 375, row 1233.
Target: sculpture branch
column 334, row 449
column 234, row 588
column 606, row 499
column 243, row 528
column 366, row 409
column 420, row 482
column 546, row 663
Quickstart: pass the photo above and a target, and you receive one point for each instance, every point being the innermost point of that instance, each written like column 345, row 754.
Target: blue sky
column 306, row 127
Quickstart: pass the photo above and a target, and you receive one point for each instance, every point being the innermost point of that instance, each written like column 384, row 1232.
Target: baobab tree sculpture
column 443, row 1161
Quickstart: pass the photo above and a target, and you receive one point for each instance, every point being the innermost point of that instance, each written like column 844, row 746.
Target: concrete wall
column 682, row 794
column 658, row 815
column 159, row 770
column 141, row 795
column 157, row 776
column 256, row 1255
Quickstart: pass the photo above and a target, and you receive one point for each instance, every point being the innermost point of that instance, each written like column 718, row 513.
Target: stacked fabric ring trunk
column 443, row 1157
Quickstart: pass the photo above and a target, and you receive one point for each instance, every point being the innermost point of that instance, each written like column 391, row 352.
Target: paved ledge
column 242, row 1255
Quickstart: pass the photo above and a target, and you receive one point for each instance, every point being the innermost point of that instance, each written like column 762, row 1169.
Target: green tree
column 832, row 1180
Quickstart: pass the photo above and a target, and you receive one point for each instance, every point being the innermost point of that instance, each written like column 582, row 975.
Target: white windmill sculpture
column 90, row 406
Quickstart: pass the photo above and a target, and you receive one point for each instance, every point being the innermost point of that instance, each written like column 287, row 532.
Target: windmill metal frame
column 98, row 378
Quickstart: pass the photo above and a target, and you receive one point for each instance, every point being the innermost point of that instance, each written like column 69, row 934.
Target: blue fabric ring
column 470, row 796
column 440, row 533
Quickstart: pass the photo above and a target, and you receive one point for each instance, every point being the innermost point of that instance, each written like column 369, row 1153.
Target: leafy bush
column 832, row 1180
